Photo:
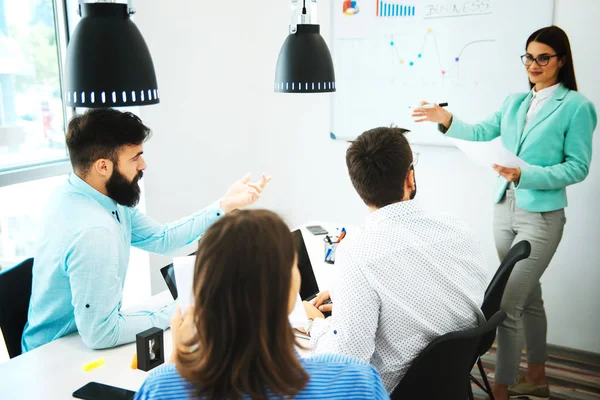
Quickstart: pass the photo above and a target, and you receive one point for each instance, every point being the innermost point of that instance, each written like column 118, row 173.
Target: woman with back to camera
column 236, row 342
column 551, row 128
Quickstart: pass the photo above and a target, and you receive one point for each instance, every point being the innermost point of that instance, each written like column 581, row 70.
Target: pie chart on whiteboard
column 350, row 7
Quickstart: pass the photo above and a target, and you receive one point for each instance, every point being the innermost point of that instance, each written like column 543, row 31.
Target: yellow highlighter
column 94, row 364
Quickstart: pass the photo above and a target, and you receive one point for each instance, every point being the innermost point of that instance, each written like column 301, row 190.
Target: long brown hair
column 556, row 38
column 242, row 288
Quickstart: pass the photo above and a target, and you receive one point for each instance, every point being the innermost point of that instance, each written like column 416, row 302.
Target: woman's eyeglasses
column 542, row 60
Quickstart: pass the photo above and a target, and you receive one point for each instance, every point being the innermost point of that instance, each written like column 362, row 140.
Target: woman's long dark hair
column 556, row 38
column 242, row 289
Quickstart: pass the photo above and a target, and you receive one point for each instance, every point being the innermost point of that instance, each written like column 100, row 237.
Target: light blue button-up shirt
column 81, row 262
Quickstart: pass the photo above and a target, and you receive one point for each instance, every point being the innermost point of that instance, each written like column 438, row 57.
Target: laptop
column 309, row 289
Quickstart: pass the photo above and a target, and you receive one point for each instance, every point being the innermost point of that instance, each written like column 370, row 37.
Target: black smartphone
column 100, row 391
column 317, row 230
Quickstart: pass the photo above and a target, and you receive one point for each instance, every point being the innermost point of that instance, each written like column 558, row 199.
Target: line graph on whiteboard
column 407, row 41
column 397, row 58
column 395, row 53
column 447, row 68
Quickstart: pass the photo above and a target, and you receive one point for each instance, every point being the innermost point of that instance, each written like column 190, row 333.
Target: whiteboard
column 391, row 54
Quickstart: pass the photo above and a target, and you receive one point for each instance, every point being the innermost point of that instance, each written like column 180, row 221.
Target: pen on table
column 328, row 253
column 342, row 234
column 430, row 105
column 94, row 364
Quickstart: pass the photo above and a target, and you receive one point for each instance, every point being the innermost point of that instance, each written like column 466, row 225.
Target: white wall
column 219, row 118
column 570, row 285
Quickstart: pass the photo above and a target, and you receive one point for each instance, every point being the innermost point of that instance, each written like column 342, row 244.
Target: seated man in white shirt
column 407, row 278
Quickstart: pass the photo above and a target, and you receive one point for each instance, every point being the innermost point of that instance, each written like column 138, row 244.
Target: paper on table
column 488, row 153
column 184, row 280
column 297, row 317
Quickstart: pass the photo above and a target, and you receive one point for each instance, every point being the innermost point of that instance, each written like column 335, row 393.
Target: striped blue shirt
column 80, row 265
column 332, row 376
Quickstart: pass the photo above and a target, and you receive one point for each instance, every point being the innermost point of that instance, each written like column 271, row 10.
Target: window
column 33, row 156
column 21, row 208
column 32, row 115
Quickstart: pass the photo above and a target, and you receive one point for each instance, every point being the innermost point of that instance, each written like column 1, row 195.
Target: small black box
column 150, row 349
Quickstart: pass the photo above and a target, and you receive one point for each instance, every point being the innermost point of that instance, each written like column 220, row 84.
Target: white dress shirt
column 408, row 277
column 539, row 99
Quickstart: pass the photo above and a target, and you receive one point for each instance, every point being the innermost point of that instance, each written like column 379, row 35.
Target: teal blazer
column 556, row 143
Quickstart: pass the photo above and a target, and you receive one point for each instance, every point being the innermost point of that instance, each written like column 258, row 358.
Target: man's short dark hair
column 100, row 133
column 378, row 162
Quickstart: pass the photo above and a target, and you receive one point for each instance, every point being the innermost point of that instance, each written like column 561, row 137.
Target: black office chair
column 442, row 369
column 492, row 301
column 15, row 292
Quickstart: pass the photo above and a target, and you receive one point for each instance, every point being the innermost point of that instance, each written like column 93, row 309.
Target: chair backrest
column 442, row 369
column 15, row 293
column 495, row 290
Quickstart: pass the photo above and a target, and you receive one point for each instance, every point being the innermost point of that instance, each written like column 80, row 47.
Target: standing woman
column 551, row 128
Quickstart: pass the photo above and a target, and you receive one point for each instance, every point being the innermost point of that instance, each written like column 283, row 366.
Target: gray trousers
column 522, row 300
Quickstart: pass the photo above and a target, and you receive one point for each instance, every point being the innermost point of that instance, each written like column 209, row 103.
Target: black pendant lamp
column 304, row 64
column 108, row 61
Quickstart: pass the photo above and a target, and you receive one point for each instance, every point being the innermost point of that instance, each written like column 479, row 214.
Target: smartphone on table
column 100, row 391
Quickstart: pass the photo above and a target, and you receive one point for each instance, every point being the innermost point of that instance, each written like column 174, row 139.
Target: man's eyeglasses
column 542, row 60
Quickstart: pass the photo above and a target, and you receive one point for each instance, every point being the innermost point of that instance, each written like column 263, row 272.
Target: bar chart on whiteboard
column 391, row 54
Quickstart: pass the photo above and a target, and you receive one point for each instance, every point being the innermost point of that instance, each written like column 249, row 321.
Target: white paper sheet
column 486, row 154
column 184, row 279
column 298, row 317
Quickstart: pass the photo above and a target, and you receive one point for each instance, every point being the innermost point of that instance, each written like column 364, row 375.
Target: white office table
column 54, row 371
